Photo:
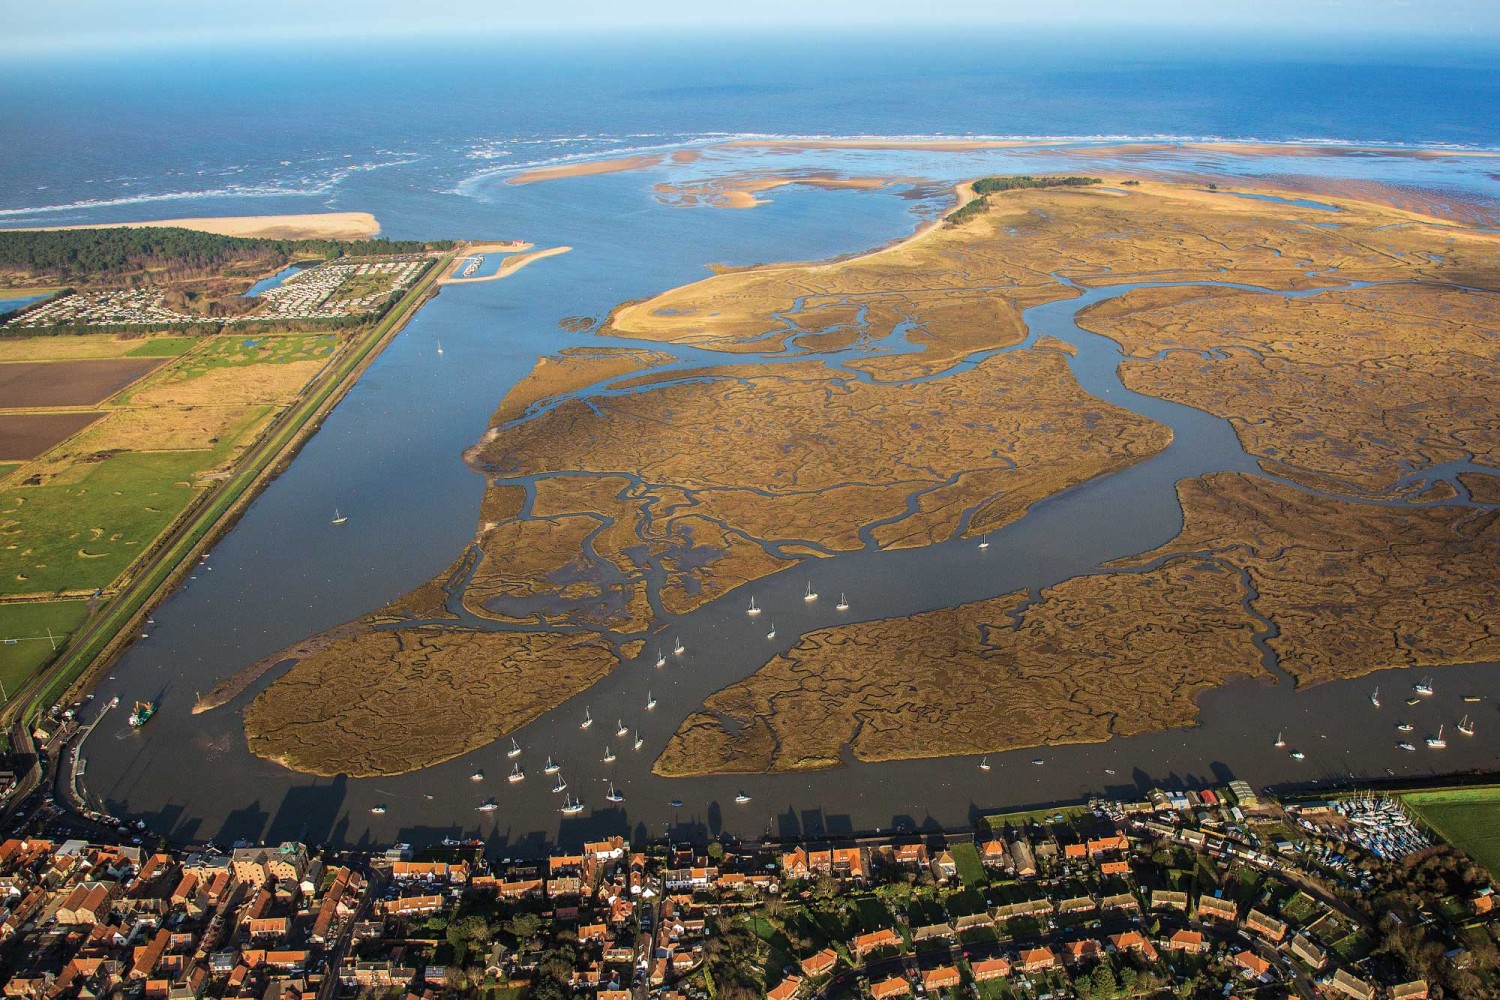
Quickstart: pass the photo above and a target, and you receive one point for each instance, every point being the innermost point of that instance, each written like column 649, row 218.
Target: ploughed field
column 893, row 400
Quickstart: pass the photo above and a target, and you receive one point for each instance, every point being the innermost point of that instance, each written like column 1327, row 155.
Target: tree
column 716, row 852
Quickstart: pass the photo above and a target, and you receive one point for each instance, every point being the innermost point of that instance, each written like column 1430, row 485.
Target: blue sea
column 174, row 133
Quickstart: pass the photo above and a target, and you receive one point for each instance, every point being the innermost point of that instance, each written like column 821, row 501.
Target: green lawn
column 164, row 347
column 6, row 468
column 27, row 625
column 1468, row 818
column 966, row 856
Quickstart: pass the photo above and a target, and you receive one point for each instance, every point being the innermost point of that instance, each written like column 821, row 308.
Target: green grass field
column 24, row 647
column 81, row 535
column 1061, row 814
column 164, row 347
column 970, row 870
column 1467, row 818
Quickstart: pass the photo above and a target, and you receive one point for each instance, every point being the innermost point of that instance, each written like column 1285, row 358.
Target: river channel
column 389, row 457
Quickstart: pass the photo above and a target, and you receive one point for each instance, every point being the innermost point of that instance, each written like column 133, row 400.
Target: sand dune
column 318, row 225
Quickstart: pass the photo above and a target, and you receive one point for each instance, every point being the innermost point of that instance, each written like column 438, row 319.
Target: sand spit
column 743, row 191
column 508, row 267
column 931, row 145
column 313, row 226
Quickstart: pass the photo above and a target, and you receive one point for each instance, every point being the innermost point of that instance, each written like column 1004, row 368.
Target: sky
column 122, row 26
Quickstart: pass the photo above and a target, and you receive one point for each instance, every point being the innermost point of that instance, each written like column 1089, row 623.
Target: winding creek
column 192, row 776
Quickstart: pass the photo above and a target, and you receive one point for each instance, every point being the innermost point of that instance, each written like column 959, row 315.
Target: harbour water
column 389, row 457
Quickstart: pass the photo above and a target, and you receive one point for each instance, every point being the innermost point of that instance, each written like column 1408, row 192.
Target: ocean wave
column 306, row 188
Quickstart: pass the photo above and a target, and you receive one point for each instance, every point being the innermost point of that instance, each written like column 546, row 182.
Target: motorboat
column 742, row 798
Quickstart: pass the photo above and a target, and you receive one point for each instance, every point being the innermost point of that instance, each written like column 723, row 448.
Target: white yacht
column 561, row 786
column 1403, row 745
column 609, row 756
column 613, row 795
column 1403, row 727
column 588, row 720
column 516, row 775
column 571, row 808
column 378, row 810
column 984, row 764
column 1424, row 687
column 742, row 798
column 515, row 749
column 1280, row 741
column 638, row 741
column 551, row 767
column 679, row 648
column 661, row 658
column 488, row 806
column 477, row 776
column 811, row 594
column 843, row 604
column 1298, row 755
column 1466, row 726
column 650, row 702
column 338, row 518
column 1437, row 742
column 753, row 610
column 1375, row 697
column 772, row 634
column 620, row 728
column 984, row 540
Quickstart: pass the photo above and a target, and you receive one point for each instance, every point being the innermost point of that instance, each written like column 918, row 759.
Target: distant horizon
column 1234, row 39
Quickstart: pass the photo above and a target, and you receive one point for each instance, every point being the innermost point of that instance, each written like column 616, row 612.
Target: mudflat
column 26, row 435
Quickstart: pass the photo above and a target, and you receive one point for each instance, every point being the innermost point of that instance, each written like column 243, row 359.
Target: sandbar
column 588, row 168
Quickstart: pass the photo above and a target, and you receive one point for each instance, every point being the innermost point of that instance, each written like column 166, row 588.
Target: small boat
column 571, row 808
column 609, row 756
column 551, row 767
column 1404, row 727
column 742, row 798
column 675, row 803
column 1437, row 742
column 620, row 728
column 1414, row 701
column 339, row 518
column 1466, row 726
column 843, row 604
column 984, row 540
column 427, row 796
column 515, row 749
column 477, row 776
column 1280, row 741
column 1375, row 697
column 811, row 595
column 753, row 610
column 679, row 648
column 561, row 785
column 516, row 775
column 613, row 795
column 650, row 702
column 1403, row 745
column 488, row 806
column 1109, row 770
column 1472, row 698
column 1298, row 755
column 114, row 702
column 638, row 741
column 378, row 810
column 440, row 347
column 661, row 658
column 1038, row 761
column 772, row 634
column 141, row 713
column 1424, row 687
column 984, row 764
column 588, row 720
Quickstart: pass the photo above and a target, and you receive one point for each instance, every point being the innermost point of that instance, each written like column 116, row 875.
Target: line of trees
column 102, row 254
column 986, row 186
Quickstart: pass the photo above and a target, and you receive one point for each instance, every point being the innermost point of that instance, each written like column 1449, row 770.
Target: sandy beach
column 507, row 267
column 935, row 145
column 315, row 226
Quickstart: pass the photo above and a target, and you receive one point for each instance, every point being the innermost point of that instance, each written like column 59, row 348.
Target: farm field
column 28, row 624
column 27, row 435
column 1468, row 818
column 83, row 382
column 91, row 345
